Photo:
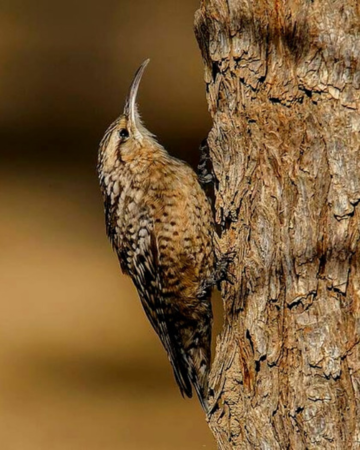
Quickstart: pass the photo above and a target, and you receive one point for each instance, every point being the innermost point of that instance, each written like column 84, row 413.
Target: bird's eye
column 123, row 133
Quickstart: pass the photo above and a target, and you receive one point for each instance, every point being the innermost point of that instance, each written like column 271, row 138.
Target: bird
column 160, row 224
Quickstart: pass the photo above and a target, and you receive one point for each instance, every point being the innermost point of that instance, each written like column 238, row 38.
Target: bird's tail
column 199, row 368
column 181, row 374
column 189, row 373
column 196, row 353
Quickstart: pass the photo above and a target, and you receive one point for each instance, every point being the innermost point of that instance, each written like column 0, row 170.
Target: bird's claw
column 204, row 172
column 222, row 269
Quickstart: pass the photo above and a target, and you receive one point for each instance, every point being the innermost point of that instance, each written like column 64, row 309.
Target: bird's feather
column 147, row 279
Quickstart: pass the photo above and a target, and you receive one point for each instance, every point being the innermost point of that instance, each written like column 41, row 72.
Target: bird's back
column 166, row 240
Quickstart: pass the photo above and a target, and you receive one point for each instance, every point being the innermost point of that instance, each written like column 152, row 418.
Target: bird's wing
column 146, row 275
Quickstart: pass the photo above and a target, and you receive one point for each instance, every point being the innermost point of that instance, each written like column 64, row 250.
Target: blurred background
column 80, row 367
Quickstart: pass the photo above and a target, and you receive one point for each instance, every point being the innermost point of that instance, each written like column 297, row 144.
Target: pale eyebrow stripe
column 108, row 133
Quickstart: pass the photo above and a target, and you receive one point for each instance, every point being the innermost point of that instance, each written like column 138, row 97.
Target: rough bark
column 283, row 83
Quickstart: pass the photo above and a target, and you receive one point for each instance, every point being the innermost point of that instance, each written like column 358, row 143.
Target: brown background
column 80, row 367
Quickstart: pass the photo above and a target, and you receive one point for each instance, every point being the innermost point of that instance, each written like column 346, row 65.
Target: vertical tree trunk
column 283, row 80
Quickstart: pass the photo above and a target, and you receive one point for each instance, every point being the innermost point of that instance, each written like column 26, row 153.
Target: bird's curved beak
column 130, row 110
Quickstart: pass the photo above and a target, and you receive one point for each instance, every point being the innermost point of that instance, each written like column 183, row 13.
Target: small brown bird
column 160, row 224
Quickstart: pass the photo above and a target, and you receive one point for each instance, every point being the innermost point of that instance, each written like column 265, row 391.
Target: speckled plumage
column 160, row 224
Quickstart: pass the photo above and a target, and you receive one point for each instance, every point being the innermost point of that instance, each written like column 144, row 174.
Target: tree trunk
column 282, row 81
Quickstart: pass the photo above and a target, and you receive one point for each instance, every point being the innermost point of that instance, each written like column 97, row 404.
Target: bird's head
column 127, row 135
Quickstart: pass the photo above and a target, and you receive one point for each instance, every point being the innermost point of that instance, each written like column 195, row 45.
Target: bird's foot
column 204, row 171
column 222, row 272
